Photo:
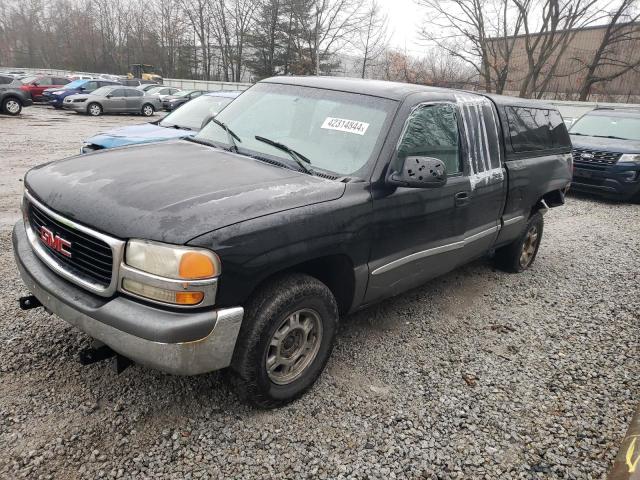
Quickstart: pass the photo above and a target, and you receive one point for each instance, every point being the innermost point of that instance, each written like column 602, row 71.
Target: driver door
column 418, row 232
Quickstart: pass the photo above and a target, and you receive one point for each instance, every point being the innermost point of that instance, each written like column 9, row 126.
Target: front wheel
column 94, row 109
column 285, row 340
column 11, row 106
column 147, row 110
column 521, row 253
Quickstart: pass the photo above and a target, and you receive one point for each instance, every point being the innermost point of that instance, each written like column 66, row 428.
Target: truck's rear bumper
column 148, row 335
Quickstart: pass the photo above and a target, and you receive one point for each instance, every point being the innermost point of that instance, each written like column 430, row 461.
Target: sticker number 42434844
column 344, row 125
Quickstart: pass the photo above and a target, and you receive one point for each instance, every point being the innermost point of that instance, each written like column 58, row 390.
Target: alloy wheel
column 12, row 107
column 529, row 247
column 293, row 346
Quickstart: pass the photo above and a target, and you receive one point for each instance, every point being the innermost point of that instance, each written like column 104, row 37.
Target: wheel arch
column 336, row 271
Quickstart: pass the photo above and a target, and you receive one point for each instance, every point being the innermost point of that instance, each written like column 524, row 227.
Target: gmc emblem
column 55, row 242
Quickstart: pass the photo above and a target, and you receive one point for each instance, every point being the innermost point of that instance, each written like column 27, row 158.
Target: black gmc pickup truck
column 305, row 199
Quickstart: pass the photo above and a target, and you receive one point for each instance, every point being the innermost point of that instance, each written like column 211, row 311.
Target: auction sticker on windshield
column 344, row 125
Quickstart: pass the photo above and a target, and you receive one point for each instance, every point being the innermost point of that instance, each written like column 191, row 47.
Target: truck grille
column 595, row 157
column 91, row 258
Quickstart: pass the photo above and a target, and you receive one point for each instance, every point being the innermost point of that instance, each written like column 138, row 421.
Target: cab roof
column 394, row 90
column 376, row 88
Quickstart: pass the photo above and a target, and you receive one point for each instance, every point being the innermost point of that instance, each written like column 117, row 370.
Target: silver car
column 161, row 92
column 113, row 99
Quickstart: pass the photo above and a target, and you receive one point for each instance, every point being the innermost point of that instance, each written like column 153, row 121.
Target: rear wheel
column 11, row 106
column 147, row 110
column 520, row 255
column 285, row 340
column 94, row 109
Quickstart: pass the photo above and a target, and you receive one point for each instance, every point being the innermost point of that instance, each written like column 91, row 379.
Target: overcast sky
column 405, row 18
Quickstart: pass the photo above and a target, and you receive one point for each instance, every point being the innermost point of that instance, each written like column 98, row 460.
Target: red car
column 37, row 84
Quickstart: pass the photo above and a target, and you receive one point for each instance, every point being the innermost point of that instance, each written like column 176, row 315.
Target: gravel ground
column 479, row 374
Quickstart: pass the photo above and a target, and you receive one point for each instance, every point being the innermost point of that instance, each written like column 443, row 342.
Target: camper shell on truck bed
column 305, row 199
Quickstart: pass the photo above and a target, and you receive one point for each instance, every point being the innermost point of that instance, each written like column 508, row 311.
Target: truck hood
column 608, row 144
column 134, row 134
column 171, row 191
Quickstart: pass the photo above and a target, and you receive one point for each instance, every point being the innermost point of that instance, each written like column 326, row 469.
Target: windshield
column 155, row 90
column 74, row 84
column 182, row 93
column 27, row 80
column 102, row 91
column 191, row 114
column 336, row 131
column 627, row 128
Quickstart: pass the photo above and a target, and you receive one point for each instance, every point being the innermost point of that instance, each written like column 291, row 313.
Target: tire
column 94, row 109
column 11, row 106
column 147, row 110
column 271, row 334
column 521, row 253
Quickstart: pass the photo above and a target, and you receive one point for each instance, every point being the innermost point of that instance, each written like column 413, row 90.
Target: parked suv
column 36, row 85
column 12, row 98
column 55, row 97
column 303, row 200
column 606, row 153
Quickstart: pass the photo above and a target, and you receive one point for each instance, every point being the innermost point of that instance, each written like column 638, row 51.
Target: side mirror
column 420, row 172
column 82, row 89
column 35, row 84
column 109, row 96
column 206, row 120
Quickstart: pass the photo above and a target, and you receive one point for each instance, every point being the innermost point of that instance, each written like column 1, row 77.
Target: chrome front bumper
column 181, row 343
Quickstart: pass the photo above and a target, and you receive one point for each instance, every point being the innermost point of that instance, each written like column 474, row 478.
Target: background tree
column 372, row 39
column 616, row 54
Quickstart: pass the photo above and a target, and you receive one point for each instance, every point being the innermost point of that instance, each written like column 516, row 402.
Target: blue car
column 183, row 122
column 55, row 96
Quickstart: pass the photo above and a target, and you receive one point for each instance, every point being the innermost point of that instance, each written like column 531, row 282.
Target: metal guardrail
column 204, row 85
column 627, row 464
column 170, row 82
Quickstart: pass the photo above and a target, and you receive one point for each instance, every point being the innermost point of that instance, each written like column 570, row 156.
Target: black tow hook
column 98, row 353
column 29, row 302
column 92, row 355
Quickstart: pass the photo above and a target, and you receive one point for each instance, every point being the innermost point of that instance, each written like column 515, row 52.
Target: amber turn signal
column 189, row 298
column 196, row 265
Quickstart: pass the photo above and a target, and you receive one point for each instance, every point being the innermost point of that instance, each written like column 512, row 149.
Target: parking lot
column 477, row 374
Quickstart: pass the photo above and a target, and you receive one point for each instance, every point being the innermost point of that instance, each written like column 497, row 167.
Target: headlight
column 170, row 274
column 181, row 263
column 630, row 157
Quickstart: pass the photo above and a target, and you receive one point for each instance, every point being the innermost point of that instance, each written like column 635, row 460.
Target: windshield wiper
column 176, row 126
column 610, row 136
column 297, row 157
column 201, row 141
column 230, row 135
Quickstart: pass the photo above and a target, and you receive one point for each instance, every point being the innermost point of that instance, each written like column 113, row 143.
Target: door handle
column 462, row 198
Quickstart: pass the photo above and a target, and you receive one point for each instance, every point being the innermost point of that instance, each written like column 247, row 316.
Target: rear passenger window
column 536, row 129
column 559, row 134
column 432, row 131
